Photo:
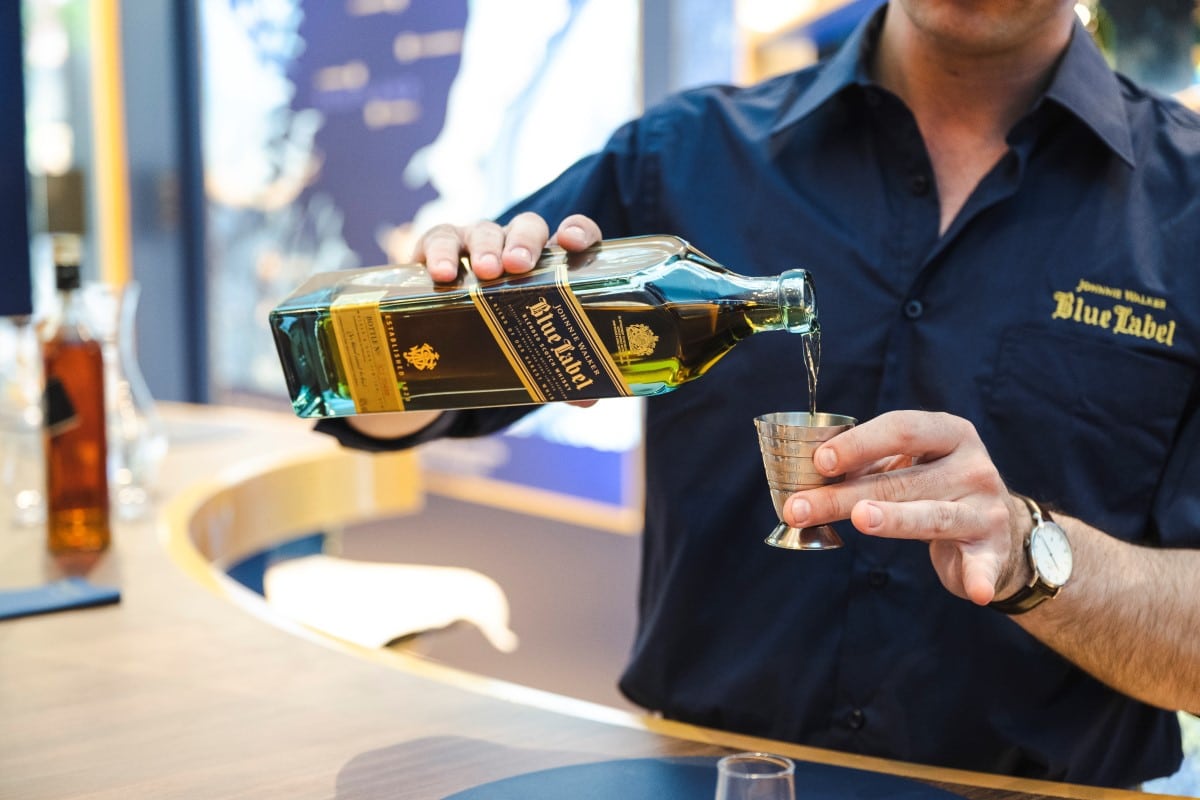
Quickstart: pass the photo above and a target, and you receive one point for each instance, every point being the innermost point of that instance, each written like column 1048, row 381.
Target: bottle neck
column 55, row 324
column 786, row 302
column 70, row 318
column 71, row 303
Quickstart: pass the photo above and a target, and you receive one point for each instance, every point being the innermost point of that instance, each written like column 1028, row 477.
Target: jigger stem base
column 820, row 537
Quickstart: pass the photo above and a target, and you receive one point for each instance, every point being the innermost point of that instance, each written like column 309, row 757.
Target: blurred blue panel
column 580, row 472
column 362, row 165
column 15, row 291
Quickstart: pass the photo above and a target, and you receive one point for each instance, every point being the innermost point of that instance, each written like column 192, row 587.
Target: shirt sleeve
column 450, row 424
column 1177, row 502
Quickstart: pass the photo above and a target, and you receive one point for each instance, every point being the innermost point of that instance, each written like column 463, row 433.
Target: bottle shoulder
column 68, row 324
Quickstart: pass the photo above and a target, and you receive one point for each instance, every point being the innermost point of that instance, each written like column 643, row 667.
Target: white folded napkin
column 372, row 603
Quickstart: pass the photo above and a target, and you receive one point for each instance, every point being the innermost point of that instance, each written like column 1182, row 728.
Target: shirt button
column 919, row 184
column 914, row 309
column 878, row 578
column 856, row 719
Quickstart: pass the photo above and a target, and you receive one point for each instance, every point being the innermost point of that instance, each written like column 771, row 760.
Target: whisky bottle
column 77, row 502
column 635, row 316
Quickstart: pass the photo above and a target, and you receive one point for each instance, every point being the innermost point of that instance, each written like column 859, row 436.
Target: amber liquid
column 811, row 348
column 76, row 449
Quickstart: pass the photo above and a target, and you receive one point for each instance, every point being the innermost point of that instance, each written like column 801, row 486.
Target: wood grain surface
column 190, row 688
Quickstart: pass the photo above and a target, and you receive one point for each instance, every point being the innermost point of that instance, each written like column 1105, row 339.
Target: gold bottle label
column 366, row 351
column 547, row 339
column 539, row 327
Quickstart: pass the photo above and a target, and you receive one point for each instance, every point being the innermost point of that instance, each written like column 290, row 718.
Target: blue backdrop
column 15, row 292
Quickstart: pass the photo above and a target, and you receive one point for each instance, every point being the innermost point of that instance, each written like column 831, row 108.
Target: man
column 1003, row 235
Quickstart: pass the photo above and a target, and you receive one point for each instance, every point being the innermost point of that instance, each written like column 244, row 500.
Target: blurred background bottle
column 76, row 442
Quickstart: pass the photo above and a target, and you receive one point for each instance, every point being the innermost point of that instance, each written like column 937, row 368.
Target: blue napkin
column 60, row 595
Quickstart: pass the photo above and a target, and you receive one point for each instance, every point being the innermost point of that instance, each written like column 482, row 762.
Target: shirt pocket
column 1083, row 424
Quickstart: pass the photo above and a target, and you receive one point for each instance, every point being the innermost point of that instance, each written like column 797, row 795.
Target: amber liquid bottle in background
column 76, row 448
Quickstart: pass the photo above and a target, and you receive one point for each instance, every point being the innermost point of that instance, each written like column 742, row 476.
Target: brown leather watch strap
column 1034, row 593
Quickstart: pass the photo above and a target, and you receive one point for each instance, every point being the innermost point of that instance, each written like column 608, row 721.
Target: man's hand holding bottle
column 492, row 250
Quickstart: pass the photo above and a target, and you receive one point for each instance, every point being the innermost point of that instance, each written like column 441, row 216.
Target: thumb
column 980, row 571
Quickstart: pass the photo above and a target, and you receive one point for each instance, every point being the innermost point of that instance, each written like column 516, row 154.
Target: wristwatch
column 1049, row 555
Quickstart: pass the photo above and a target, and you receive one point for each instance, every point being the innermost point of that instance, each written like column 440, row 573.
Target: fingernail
column 800, row 510
column 874, row 515
column 521, row 253
column 445, row 269
column 575, row 232
column 488, row 260
column 826, row 459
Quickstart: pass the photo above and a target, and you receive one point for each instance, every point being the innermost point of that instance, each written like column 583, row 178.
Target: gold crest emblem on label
column 642, row 340
column 422, row 356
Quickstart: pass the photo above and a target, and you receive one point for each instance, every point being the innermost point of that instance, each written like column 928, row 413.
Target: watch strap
column 1024, row 599
column 1036, row 592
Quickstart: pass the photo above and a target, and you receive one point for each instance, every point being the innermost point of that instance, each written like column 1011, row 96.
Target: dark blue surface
column 693, row 779
column 16, row 294
column 61, row 595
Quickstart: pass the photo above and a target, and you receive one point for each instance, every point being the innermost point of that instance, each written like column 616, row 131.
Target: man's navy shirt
column 1059, row 313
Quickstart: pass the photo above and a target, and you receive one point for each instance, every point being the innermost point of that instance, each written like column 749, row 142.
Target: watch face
column 1051, row 553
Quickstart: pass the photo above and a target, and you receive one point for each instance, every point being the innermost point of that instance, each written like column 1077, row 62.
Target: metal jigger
column 787, row 440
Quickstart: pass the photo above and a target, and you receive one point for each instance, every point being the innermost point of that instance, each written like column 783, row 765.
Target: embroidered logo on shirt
column 1123, row 312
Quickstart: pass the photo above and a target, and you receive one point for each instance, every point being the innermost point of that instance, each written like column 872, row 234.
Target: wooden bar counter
column 190, row 687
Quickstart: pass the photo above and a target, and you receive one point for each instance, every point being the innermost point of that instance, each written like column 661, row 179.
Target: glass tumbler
column 755, row 776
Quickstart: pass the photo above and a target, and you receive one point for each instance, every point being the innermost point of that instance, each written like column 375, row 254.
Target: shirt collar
column 847, row 67
column 1083, row 84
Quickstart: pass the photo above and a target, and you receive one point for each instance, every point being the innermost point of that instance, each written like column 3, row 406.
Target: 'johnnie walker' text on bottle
column 636, row 316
